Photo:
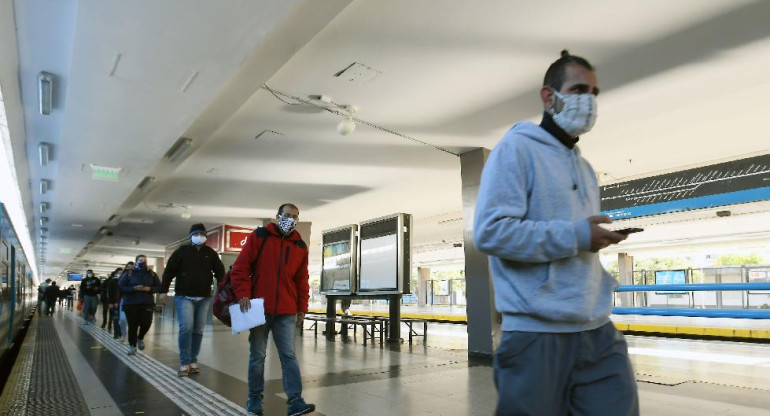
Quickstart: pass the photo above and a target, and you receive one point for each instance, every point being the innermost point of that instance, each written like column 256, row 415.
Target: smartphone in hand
column 627, row 231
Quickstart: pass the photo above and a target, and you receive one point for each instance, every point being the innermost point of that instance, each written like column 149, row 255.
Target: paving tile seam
column 194, row 398
column 712, row 383
column 23, row 378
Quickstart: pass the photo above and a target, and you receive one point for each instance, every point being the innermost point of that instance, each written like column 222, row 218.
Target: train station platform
column 727, row 328
column 66, row 367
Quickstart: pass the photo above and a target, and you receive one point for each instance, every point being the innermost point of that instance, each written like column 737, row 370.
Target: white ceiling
column 683, row 84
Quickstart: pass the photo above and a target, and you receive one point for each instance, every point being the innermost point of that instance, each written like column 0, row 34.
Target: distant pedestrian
column 90, row 288
column 104, row 298
column 70, row 296
column 51, row 294
column 41, row 293
column 122, row 320
column 138, row 301
column 113, row 302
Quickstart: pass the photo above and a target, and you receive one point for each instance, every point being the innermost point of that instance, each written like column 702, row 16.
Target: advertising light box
column 338, row 272
column 74, row 277
column 384, row 261
column 670, row 277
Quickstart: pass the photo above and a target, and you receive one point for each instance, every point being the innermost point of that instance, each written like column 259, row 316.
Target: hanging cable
column 338, row 112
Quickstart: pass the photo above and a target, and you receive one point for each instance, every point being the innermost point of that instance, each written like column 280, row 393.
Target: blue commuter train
column 18, row 294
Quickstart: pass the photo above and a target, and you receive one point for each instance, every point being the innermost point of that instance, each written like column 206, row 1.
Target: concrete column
column 626, row 277
column 483, row 320
column 423, row 275
column 160, row 265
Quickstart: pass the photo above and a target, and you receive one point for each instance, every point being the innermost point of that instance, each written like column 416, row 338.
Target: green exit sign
column 104, row 173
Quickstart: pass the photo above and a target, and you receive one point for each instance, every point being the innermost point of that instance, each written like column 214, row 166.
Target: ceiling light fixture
column 44, row 206
column 146, row 183
column 43, row 230
column 346, row 126
column 179, row 149
column 45, row 184
column 186, row 214
column 43, row 221
column 45, row 92
column 44, row 152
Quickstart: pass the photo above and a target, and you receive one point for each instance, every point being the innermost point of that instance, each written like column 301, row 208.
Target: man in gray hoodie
column 537, row 218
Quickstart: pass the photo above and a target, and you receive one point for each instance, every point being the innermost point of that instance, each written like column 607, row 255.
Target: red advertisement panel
column 235, row 238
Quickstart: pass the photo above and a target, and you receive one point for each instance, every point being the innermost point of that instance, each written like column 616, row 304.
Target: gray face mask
column 287, row 224
column 576, row 113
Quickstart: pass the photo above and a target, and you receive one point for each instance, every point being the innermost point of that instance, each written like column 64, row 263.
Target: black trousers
column 106, row 316
column 139, row 319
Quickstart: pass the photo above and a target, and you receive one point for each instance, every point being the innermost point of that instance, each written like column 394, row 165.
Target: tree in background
column 739, row 260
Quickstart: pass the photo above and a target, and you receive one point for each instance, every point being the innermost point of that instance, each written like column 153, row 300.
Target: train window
column 6, row 253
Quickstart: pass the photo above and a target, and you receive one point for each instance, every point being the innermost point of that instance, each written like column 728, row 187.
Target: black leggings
column 138, row 317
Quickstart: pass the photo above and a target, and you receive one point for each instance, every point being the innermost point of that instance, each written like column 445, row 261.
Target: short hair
column 47, row 280
column 554, row 76
column 287, row 204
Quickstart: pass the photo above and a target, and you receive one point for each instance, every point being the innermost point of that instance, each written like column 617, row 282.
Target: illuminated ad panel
column 384, row 260
column 339, row 252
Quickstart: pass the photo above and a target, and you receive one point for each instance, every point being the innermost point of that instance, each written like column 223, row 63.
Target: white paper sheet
column 252, row 318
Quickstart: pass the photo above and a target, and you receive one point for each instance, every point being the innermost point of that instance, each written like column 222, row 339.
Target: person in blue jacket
column 137, row 288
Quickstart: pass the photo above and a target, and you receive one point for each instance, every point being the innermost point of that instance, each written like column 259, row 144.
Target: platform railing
column 695, row 312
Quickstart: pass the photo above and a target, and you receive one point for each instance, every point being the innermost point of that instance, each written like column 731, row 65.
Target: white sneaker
column 123, row 338
column 194, row 369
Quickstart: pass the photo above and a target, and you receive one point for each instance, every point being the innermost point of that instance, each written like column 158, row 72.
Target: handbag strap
column 259, row 253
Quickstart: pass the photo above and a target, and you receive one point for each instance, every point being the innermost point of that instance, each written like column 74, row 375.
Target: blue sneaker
column 298, row 407
column 254, row 407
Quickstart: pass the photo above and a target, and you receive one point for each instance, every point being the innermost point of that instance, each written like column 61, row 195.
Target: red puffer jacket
column 280, row 276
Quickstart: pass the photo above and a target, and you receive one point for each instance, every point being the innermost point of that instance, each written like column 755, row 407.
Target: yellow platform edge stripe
column 621, row 326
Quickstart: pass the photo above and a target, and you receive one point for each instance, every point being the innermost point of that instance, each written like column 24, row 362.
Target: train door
column 6, row 308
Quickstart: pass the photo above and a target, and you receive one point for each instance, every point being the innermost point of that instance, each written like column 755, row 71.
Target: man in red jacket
column 273, row 266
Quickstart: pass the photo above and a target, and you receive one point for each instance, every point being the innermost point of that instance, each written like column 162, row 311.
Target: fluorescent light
column 44, row 185
column 179, row 149
column 43, row 221
column 45, row 92
column 44, row 207
column 43, row 151
column 146, row 183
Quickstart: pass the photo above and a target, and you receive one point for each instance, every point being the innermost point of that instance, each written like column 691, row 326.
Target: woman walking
column 137, row 290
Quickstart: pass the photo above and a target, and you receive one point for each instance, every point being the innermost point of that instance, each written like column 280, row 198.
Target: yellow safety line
column 621, row 326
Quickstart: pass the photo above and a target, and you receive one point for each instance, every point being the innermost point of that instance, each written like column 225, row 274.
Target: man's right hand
column 600, row 236
column 245, row 304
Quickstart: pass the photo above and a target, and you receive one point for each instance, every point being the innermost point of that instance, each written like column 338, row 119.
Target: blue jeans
column 122, row 321
column 90, row 303
column 283, row 327
column 192, row 316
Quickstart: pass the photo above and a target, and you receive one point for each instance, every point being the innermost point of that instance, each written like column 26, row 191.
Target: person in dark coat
column 138, row 301
column 51, row 294
column 194, row 266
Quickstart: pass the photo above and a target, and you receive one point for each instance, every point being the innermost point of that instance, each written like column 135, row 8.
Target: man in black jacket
column 194, row 266
column 90, row 288
column 51, row 294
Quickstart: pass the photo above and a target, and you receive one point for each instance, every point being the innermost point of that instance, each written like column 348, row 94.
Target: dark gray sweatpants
column 553, row 374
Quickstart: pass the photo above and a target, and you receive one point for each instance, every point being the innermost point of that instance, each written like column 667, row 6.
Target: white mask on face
column 198, row 239
column 577, row 114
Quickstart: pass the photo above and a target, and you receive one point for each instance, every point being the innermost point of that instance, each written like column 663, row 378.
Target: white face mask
column 577, row 112
column 287, row 224
column 198, row 239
